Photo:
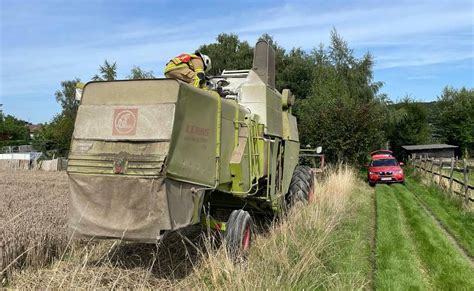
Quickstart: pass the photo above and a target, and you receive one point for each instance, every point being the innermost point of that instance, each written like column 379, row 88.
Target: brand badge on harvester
column 125, row 121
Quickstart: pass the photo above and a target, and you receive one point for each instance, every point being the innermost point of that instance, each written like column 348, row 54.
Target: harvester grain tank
column 151, row 156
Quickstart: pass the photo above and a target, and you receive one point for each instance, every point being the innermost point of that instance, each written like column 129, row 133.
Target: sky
column 419, row 47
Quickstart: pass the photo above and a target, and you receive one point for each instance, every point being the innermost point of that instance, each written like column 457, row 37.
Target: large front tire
column 301, row 186
column 239, row 234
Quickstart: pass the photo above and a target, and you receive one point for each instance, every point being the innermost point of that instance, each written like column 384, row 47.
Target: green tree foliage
column 107, row 72
column 138, row 73
column 228, row 53
column 56, row 135
column 408, row 125
column 66, row 97
column 13, row 131
column 293, row 69
column 454, row 120
column 338, row 104
column 295, row 72
column 344, row 112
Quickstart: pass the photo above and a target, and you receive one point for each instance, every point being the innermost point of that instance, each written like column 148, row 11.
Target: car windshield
column 383, row 163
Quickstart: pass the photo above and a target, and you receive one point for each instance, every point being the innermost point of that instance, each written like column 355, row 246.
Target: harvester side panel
column 265, row 102
column 292, row 148
column 192, row 155
column 233, row 116
column 290, row 127
column 290, row 162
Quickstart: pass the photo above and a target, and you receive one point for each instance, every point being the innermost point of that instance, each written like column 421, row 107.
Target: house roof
column 34, row 127
column 428, row 147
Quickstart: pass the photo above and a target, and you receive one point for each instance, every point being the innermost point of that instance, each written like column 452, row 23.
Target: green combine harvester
column 152, row 156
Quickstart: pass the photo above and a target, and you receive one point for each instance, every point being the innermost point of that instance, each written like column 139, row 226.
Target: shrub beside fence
column 454, row 175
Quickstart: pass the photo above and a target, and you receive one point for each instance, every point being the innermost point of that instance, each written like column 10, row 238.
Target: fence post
column 427, row 168
column 466, row 184
column 451, row 176
column 440, row 172
column 432, row 170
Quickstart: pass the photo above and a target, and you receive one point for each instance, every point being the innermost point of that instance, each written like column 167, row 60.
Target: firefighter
column 189, row 68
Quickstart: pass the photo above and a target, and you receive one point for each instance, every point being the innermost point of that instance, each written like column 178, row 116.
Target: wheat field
column 33, row 207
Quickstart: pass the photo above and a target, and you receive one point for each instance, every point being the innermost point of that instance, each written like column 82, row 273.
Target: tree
column 343, row 112
column 56, row 135
column 228, row 53
column 137, row 73
column 407, row 125
column 108, row 72
column 13, row 131
column 293, row 70
column 66, row 97
column 454, row 118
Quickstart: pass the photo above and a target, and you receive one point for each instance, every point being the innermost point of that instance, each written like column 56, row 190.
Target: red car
column 384, row 168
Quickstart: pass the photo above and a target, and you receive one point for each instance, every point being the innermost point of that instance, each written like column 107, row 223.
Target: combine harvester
column 152, row 156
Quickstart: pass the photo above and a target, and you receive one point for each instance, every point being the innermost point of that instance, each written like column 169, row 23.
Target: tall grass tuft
column 294, row 253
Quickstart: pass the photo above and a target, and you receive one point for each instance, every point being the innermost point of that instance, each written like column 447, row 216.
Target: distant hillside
column 427, row 105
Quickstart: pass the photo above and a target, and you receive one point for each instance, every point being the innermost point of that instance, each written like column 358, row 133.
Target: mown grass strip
column 395, row 253
column 458, row 222
column 446, row 266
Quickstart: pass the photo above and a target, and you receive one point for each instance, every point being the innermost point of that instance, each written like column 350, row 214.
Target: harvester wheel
column 239, row 232
column 301, row 186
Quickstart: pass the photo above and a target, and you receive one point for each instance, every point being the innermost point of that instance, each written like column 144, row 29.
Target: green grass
column 460, row 175
column 397, row 263
column 448, row 210
column 412, row 251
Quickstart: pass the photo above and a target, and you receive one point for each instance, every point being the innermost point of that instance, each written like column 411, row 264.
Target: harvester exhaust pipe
column 264, row 62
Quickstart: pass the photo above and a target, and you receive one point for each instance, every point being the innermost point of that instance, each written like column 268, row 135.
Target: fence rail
column 442, row 173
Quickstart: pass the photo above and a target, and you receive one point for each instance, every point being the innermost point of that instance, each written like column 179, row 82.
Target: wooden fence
column 442, row 172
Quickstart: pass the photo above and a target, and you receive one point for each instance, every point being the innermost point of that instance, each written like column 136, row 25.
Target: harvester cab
column 151, row 156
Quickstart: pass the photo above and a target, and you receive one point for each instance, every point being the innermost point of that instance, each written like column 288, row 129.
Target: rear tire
column 301, row 186
column 238, row 234
column 372, row 184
